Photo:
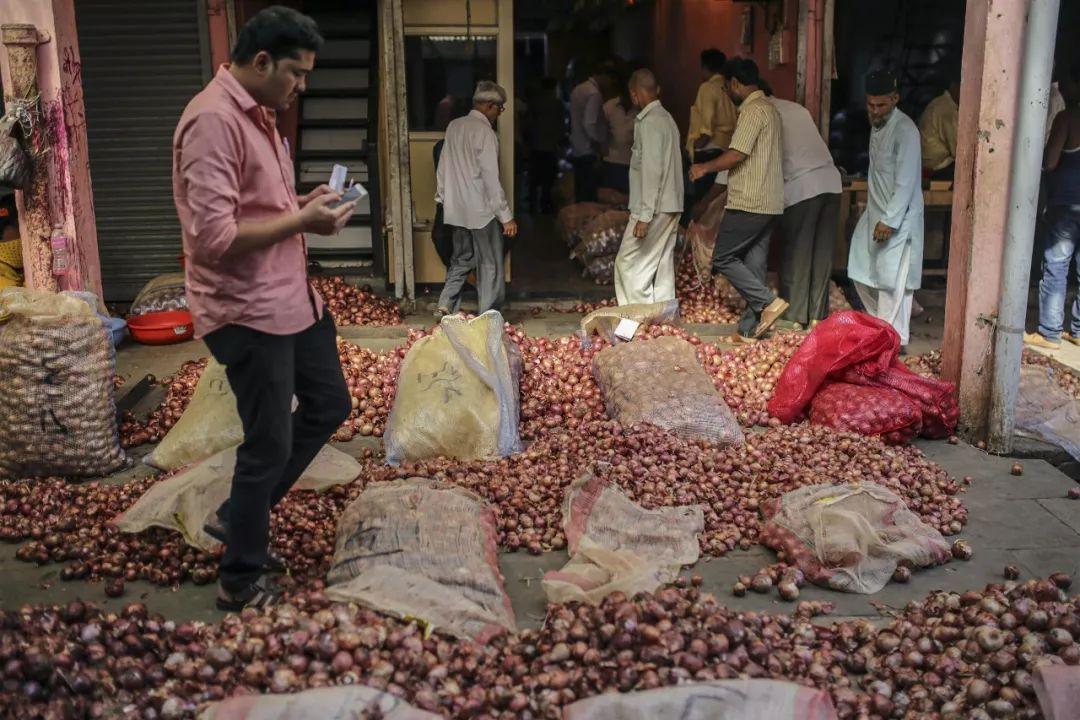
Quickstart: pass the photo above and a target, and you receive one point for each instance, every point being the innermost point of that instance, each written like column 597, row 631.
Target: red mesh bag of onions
column 842, row 340
column 867, row 410
column 936, row 399
column 850, row 537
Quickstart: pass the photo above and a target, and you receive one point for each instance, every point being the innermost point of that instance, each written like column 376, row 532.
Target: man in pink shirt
column 243, row 231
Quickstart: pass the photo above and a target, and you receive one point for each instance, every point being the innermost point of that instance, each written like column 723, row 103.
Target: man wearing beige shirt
column 712, row 118
column 755, row 199
column 645, row 266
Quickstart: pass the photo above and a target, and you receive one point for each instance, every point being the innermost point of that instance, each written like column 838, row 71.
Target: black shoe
column 275, row 564
column 259, row 595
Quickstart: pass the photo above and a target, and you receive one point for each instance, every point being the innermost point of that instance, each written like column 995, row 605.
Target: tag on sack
column 626, row 329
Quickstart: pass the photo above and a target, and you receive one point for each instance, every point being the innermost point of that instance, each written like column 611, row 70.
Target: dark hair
column 713, row 60
column 744, row 70
column 280, row 32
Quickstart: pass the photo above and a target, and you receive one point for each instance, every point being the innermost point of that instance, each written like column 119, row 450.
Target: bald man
column 645, row 265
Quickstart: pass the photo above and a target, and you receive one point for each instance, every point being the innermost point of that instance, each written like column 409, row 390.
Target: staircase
column 337, row 119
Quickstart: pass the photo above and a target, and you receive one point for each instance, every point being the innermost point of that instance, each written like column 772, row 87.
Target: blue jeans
column 1061, row 247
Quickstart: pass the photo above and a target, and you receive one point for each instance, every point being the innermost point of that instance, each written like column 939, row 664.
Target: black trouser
column 946, row 173
column 585, row 178
column 704, row 183
column 741, row 255
column 265, row 371
column 810, row 230
column 617, row 177
column 544, row 165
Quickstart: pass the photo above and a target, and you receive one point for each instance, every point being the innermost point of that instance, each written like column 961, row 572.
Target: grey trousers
column 810, row 230
column 479, row 251
column 741, row 255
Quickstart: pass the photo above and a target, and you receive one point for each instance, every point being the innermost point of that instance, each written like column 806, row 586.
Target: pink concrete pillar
column 989, row 94
column 66, row 200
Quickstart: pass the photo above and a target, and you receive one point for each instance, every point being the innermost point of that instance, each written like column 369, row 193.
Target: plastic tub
column 162, row 328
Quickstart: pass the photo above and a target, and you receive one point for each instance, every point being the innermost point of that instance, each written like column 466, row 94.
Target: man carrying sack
column 247, row 287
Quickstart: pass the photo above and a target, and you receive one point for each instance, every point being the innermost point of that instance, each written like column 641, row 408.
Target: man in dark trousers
column 247, row 287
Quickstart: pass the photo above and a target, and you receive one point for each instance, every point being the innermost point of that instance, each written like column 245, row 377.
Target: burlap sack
column 423, row 549
column 162, row 293
column 457, row 394
column 185, row 501
column 57, row 410
column 662, row 383
column 210, row 423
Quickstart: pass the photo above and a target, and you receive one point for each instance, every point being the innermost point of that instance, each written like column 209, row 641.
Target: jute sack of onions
column 457, row 394
column 701, row 236
column 602, row 235
column 850, row 537
column 661, row 382
column 344, row 702
column 184, row 501
column 772, row 699
column 572, row 218
column 424, row 549
column 617, row 545
column 210, row 423
column 58, row 414
column 601, row 269
column 604, row 320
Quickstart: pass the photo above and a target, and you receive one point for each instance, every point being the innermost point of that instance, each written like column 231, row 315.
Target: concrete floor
column 1026, row 520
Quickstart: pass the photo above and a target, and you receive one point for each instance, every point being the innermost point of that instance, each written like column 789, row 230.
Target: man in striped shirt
column 755, row 199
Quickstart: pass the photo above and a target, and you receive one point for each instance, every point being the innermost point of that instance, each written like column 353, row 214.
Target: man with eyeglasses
column 473, row 201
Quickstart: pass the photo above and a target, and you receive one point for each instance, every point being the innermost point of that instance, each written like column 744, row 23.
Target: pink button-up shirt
column 230, row 165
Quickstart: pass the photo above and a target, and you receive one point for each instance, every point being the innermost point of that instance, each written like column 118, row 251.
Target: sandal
column 275, row 564
column 257, row 595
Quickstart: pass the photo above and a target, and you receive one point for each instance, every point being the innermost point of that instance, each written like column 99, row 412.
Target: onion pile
column 705, row 302
column 951, row 655
column 657, row 469
column 178, row 391
column 372, row 380
column 71, row 524
column 351, row 305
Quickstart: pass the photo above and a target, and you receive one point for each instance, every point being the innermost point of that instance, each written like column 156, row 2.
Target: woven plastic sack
column 572, row 218
column 701, row 237
column 1057, row 688
column 602, row 235
column 717, row 700
column 163, row 293
column 867, row 410
column 185, row 501
column 842, row 340
column 617, row 545
column 210, row 423
column 604, row 320
column 850, row 537
column 457, row 394
column 343, row 702
column 601, row 269
column 1045, row 411
column 57, row 363
column 423, row 549
column 662, row 383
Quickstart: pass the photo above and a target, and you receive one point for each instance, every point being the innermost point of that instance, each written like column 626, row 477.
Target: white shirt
column 656, row 176
column 587, row 123
column 467, row 179
column 808, row 165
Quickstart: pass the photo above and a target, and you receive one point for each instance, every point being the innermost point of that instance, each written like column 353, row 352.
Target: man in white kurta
column 885, row 260
column 645, row 265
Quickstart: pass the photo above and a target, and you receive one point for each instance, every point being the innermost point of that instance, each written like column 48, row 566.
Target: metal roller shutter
column 141, row 63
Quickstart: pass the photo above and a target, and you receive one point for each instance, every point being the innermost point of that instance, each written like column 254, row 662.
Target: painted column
column 987, row 133
column 42, row 56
